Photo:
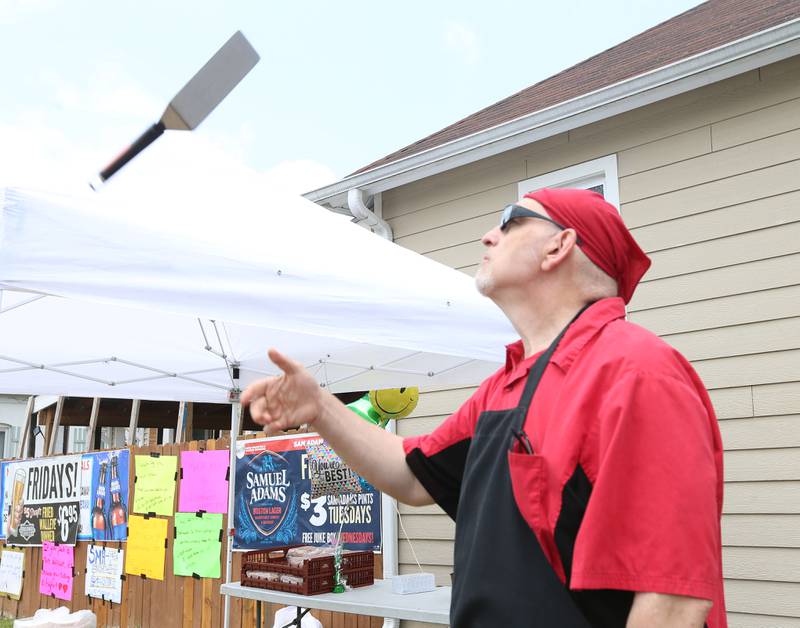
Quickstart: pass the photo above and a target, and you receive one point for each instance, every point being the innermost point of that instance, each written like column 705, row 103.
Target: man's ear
column 558, row 248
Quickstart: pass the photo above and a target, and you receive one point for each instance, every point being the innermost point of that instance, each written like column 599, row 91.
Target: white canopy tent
column 93, row 303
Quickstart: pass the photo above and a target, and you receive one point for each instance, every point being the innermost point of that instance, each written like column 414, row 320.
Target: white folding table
column 376, row 600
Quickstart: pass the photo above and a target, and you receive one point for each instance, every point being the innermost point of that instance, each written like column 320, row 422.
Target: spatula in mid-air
column 204, row 91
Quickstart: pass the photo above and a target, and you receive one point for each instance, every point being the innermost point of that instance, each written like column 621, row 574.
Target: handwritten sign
column 104, row 573
column 56, row 578
column 197, row 544
column 204, row 481
column 146, row 552
column 12, row 563
column 155, row 484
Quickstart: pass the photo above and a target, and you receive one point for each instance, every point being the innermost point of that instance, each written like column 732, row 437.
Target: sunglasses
column 518, row 211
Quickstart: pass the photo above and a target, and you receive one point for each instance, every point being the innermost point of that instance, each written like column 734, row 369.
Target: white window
column 598, row 174
column 5, row 445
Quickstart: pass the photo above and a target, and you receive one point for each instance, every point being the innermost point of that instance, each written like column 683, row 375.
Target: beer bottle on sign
column 99, row 522
column 119, row 513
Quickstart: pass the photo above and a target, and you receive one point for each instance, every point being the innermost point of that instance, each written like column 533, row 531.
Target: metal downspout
column 362, row 213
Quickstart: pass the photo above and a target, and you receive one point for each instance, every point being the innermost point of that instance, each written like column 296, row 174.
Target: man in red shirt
column 585, row 476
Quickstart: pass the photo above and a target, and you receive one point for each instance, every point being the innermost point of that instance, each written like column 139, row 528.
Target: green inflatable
column 363, row 408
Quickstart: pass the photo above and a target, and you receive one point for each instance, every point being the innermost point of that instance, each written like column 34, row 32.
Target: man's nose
column 491, row 237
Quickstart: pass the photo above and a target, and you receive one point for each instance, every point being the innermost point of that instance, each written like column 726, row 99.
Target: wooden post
column 26, row 430
column 181, row 422
column 93, row 423
column 53, row 435
column 134, row 422
column 185, row 425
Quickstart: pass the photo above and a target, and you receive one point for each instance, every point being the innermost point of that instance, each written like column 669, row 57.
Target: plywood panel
column 712, row 167
column 761, row 531
column 717, row 223
column 732, row 403
column 460, row 255
column 761, row 433
column 689, row 110
column 743, row 620
column 487, row 174
column 457, row 210
column 442, row 401
column 761, row 563
column 668, row 118
column 762, row 464
column 738, row 339
column 766, row 368
column 777, row 399
column 415, row 427
column 452, row 234
column 433, row 509
column 735, row 249
column 427, row 551
column 751, row 596
column 753, row 276
column 432, row 527
column 664, row 151
column 762, row 497
column 735, row 309
column 780, row 71
column 745, row 187
column 754, row 125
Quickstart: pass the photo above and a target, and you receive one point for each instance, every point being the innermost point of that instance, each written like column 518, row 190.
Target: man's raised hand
column 286, row 401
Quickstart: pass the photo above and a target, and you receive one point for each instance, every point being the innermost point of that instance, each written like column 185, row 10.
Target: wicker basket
column 358, row 568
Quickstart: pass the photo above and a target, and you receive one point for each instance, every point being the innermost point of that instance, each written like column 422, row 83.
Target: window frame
column 600, row 171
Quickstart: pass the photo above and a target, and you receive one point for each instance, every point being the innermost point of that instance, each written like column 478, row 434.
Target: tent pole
column 93, row 423
column 51, row 442
column 236, row 417
column 134, row 422
column 25, row 436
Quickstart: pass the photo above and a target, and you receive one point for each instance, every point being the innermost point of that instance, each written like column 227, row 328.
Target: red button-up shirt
column 631, row 411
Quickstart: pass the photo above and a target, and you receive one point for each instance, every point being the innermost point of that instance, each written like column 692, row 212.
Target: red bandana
column 605, row 238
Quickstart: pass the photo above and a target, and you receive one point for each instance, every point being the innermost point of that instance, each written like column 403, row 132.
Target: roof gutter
column 757, row 50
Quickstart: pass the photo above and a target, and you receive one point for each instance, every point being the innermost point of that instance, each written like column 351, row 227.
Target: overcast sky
column 339, row 84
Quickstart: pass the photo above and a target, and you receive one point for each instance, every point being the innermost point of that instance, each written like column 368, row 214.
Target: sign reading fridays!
column 42, row 500
column 43, row 492
column 273, row 504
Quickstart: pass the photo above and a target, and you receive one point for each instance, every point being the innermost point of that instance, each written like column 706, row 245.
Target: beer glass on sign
column 15, row 513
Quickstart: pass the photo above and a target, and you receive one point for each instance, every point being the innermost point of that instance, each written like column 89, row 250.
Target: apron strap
column 537, row 370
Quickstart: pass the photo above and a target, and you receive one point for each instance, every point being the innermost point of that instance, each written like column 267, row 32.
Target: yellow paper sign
column 146, row 551
column 154, row 490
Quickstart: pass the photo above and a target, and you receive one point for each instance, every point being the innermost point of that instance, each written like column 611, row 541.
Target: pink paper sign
column 56, row 578
column 204, row 483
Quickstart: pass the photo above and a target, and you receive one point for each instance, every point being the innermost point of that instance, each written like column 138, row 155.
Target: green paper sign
column 154, row 490
column 197, row 545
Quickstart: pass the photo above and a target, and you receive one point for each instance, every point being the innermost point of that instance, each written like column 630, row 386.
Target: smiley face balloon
column 394, row 403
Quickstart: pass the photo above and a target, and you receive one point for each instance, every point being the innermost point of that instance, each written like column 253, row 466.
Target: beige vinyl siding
column 710, row 186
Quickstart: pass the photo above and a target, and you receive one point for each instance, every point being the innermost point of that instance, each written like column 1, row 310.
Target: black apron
column 501, row 575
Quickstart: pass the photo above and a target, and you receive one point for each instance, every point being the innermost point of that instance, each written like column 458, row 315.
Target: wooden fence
column 176, row 601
